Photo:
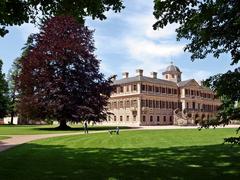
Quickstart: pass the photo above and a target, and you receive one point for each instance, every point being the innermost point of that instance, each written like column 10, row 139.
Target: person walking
column 85, row 125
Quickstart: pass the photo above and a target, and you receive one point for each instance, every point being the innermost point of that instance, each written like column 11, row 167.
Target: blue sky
column 126, row 42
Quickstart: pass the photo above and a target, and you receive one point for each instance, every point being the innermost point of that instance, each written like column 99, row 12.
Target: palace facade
column 143, row 100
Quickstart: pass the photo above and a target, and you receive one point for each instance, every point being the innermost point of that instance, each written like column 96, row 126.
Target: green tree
column 212, row 26
column 17, row 12
column 3, row 93
column 13, row 75
column 60, row 77
column 227, row 87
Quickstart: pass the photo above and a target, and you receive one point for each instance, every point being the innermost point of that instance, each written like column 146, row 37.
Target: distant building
column 142, row 100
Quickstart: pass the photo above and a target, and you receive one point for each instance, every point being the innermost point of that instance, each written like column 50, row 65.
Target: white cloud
column 136, row 40
column 143, row 25
column 198, row 75
column 143, row 48
column 149, row 55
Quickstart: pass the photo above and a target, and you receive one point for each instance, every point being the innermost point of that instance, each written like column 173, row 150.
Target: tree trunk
column 63, row 125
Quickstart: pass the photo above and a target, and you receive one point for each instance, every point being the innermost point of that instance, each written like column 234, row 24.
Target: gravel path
column 15, row 140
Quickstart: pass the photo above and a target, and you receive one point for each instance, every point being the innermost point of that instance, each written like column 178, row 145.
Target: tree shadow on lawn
column 90, row 128
column 34, row 161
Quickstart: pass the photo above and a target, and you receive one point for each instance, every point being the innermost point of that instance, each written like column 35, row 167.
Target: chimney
column 139, row 72
column 154, row 75
column 125, row 74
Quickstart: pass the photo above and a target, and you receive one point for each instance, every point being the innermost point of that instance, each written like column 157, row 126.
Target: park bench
column 112, row 131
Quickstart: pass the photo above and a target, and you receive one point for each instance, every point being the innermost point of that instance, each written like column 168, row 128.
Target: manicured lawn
column 46, row 129
column 148, row 154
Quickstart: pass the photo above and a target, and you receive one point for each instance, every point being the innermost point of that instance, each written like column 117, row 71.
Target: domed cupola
column 172, row 73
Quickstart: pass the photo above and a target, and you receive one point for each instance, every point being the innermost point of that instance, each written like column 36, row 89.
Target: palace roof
column 143, row 79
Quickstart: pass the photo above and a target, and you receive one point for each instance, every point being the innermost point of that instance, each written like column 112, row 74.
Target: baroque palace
column 144, row 101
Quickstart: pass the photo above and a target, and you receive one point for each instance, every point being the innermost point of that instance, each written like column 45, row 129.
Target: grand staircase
column 181, row 118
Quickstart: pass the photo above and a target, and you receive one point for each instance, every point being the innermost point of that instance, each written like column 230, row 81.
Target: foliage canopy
column 212, row 26
column 17, row 12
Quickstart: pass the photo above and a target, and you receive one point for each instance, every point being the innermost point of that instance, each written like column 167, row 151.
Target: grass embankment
column 148, row 154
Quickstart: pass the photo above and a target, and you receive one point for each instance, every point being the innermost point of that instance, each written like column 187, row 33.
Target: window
column 121, row 89
column 115, row 105
column 127, row 88
column 127, row 118
column 121, row 118
column 151, row 119
column 163, row 90
column 175, row 91
column 157, row 104
column 115, row 118
column 121, row 104
column 143, row 103
column 158, row 119
column 171, row 119
column 150, row 103
column 193, row 105
column 135, row 87
column 166, row 76
column 127, row 104
column 154, row 103
column 172, row 76
column 169, row 91
column 157, row 89
column 164, row 118
column 143, row 87
column 163, row 104
column 149, row 88
column 144, row 118
column 109, row 118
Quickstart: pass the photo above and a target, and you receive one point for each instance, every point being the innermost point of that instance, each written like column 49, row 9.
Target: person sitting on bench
column 114, row 131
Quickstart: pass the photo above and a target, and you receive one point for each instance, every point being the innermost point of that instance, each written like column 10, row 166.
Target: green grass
column 3, row 137
column 44, row 129
column 148, row 154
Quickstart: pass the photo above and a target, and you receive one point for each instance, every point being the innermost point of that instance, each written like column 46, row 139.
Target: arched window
column 144, row 118
column 151, row 118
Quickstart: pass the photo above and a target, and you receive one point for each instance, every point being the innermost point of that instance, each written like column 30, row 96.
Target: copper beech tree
column 60, row 76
